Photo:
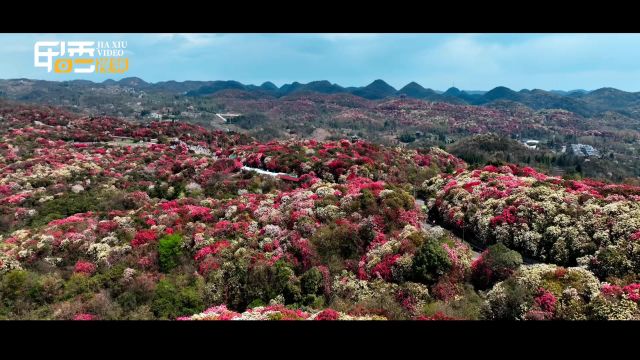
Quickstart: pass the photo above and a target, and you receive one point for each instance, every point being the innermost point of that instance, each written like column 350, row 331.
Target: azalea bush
column 565, row 222
column 495, row 264
column 545, row 292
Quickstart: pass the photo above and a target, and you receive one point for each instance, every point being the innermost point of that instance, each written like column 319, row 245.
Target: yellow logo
column 81, row 57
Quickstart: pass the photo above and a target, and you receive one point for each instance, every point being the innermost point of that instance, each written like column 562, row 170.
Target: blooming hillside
column 101, row 218
column 97, row 227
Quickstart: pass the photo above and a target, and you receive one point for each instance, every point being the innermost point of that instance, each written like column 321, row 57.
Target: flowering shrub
column 632, row 291
column 616, row 303
column 545, row 301
column 85, row 317
column 273, row 312
column 328, row 314
column 536, row 292
column 542, row 217
column 495, row 264
column 143, row 237
column 611, row 291
column 84, row 267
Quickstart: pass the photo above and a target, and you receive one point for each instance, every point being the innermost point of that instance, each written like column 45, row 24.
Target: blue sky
column 438, row 61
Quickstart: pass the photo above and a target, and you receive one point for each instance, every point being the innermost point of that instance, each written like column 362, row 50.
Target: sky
column 437, row 61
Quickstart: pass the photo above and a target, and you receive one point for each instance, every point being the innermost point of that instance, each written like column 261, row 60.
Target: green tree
column 169, row 251
column 171, row 301
column 497, row 263
column 430, row 262
column 311, row 281
column 336, row 243
column 267, row 282
column 407, row 138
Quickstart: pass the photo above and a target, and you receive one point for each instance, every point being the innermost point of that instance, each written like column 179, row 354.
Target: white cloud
column 348, row 37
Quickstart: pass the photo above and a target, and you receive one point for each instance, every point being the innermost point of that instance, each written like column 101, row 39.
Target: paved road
column 263, row 172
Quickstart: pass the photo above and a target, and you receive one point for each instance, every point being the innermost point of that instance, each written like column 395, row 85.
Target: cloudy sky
column 437, row 61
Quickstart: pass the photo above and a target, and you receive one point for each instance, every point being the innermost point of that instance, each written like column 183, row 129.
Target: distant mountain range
column 582, row 102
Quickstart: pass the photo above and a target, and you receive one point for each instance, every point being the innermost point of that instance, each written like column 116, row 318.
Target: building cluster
column 584, row 150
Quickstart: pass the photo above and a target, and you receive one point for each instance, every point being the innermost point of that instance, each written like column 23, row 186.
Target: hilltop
column 605, row 119
column 582, row 102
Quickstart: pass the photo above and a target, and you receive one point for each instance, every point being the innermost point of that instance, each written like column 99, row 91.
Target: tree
column 430, row 262
column 407, row 138
column 169, row 251
column 312, row 281
column 266, row 282
column 171, row 301
column 336, row 243
column 495, row 264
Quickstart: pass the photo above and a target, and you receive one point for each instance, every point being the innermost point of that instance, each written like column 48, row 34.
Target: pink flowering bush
column 85, row 317
column 84, row 267
column 632, row 291
column 144, row 237
column 545, row 301
column 328, row 314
